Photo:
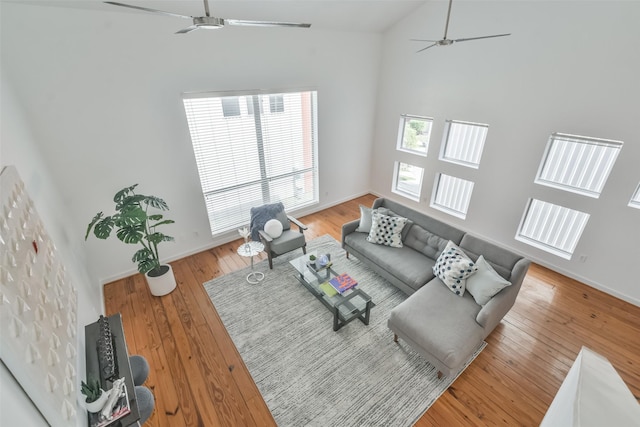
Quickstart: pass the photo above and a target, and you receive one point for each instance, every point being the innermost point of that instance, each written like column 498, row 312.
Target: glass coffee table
column 353, row 304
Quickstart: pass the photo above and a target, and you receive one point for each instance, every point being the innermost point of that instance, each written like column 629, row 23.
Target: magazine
column 343, row 283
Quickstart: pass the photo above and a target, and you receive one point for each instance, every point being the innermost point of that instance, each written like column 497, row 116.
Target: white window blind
column 408, row 180
column 452, row 195
column 635, row 199
column 552, row 228
column 463, row 143
column 577, row 163
column 251, row 159
column 414, row 134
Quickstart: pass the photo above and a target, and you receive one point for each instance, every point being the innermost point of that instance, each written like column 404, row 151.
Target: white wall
column 19, row 148
column 103, row 90
column 568, row 67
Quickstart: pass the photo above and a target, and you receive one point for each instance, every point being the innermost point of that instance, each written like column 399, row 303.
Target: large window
column 407, row 180
column 578, row 163
column 463, row 143
column 452, row 195
column 263, row 154
column 414, row 134
column 635, row 199
column 552, row 228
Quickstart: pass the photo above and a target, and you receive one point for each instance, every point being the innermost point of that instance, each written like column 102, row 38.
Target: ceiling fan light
column 208, row 22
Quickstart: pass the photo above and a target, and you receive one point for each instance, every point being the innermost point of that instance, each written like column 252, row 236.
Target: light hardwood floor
column 199, row 379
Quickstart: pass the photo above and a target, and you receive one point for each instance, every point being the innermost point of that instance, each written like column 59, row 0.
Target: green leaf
column 131, row 234
column 142, row 255
column 148, row 265
column 133, row 200
column 131, row 216
column 103, row 228
column 155, row 217
column 166, row 221
column 159, row 237
column 120, row 195
column 92, row 223
column 156, row 202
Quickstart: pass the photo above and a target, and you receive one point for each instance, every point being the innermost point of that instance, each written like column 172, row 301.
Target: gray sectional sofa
column 443, row 327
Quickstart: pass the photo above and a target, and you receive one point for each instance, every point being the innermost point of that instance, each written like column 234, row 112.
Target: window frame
column 635, row 198
column 445, row 144
column 396, row 179
column 549, row 227
column 449, row 209
column 557, row 137
column 268, row 172
column 401, row 131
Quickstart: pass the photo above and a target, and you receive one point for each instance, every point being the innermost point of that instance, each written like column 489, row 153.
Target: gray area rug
column 310, row 375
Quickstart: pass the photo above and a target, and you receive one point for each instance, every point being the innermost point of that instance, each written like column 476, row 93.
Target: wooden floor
column 199, row 379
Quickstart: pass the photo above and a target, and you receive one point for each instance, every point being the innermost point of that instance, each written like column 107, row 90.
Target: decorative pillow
column 261, row 214
column 453, row 267
column 386, row 230
column 365, row 220
column 273, row 228
column 486, row 282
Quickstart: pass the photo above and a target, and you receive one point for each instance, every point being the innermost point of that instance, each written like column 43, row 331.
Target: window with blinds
column 552, row 228
column 578, row 164
column 463, row 143
column 253, row 149
column 414, row 134
column 407, row 180
column 452, row 195
column 635, row 199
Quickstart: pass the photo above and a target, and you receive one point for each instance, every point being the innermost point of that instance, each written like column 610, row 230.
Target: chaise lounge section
column 445, row 328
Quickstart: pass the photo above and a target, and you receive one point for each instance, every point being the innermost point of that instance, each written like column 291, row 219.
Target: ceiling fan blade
column 424, row 40
column 161, row 12
column 483, row 37
column 425, row 48
column 187, row 30
column 265, row 23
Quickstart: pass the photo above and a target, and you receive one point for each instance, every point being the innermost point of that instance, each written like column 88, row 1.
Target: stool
column 146, row 402
column 139, row 369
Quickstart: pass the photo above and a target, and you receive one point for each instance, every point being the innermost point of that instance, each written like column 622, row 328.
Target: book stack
column 343, row 283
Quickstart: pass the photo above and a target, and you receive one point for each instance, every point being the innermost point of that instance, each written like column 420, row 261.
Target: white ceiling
column 342, row 15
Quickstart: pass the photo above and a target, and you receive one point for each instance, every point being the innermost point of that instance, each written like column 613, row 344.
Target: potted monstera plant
column 136, row 221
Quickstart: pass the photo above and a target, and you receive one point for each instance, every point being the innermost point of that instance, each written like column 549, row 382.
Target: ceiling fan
column 446, row 42
column 212, row 22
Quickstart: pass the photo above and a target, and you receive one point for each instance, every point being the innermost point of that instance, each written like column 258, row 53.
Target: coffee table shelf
column 353, row 304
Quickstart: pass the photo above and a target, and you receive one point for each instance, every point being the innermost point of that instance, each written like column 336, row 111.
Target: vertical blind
column 264, row 154
column 452, row 195
column 553, row 228
column 577, row 163
column 464, row 143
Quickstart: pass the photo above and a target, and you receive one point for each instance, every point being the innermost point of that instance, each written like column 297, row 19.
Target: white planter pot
column 98, row 404
column 162, row 284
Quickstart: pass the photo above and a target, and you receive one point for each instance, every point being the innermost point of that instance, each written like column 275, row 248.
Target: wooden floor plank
column 199, row 378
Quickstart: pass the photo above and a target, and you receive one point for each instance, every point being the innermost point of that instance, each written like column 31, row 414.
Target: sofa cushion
column 365, row 220
column 407, row 265
column 453, row 267
column 261, row 214
column 386, row 230
column 485, row 283
column 440, row 322
column 425, row 242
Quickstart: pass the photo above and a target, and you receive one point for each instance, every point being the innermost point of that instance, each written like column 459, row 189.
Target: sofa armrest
column 348, row 228
column 492, row 313
column 266, row 240
column 300, row 225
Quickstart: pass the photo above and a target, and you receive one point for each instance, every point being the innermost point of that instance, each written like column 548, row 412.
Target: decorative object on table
column 244, row 232
column 251, row 249
column 106, row 351
column 343, row 283
column 324, row 260
column 312, row 261
column 134, row 224
column 95, row 396
column 115, row 407
column 38, row 307
column 288, row 241
column 365, row 358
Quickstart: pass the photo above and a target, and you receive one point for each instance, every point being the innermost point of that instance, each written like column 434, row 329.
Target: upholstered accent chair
column 277, row 244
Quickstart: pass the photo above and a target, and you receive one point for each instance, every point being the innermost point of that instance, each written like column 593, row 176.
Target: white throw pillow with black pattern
column 386, row 230
column 453, row 267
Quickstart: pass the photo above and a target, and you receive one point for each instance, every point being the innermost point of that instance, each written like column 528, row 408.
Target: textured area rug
column 310, row 375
